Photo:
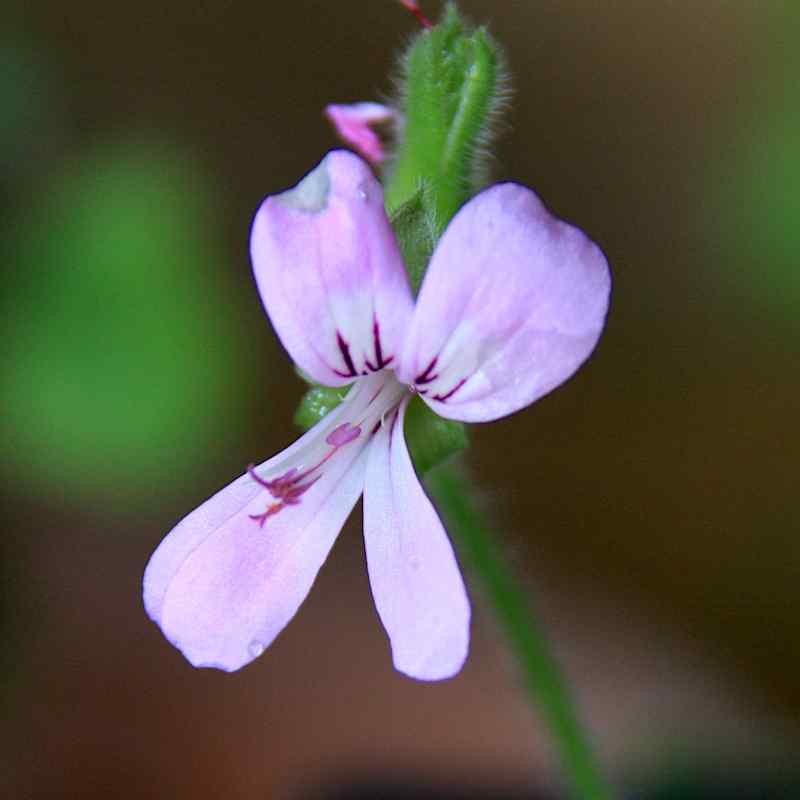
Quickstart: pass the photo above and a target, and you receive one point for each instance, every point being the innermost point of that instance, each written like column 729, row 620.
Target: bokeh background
column 651, row 504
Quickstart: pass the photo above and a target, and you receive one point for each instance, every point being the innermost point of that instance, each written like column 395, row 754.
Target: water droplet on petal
column 256, row 648
column 362, row 191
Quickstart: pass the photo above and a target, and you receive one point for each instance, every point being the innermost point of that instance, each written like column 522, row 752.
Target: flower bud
column 452, row 85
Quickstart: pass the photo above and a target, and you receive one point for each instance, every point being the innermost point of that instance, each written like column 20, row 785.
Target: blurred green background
column 651, row 504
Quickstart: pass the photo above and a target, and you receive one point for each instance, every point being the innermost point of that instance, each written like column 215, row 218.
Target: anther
column 343, row 434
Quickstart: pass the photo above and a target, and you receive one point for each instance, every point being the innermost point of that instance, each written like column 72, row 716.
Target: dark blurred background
column 651, row 504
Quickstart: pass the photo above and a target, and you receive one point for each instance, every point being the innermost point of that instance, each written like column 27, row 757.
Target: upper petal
column 413, row 572
column 330, row 274
column 353, row 123
column 221, row 586
column 513, row 302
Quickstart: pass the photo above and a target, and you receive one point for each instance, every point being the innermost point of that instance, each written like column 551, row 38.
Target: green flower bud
column 451, row 87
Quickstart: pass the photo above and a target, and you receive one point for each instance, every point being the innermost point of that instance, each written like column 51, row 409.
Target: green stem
column 542, row 676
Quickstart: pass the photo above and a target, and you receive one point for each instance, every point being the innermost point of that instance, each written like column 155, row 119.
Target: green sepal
column 317, row 402
column 431, row 439
column 414, row 225
column 452, row 84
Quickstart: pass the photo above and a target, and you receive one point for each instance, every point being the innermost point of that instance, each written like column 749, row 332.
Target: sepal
column 431, row 439
column 317, row 403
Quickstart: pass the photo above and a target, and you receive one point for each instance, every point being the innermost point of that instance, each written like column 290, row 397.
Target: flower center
column 371, row 402
column 437, row 379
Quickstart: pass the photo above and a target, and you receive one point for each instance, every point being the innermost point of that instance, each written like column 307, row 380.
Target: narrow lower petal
column 192, row 531
column 355, row 125
column 231, row 575
column 330, row 274
column 413, row 572
column 513, row 302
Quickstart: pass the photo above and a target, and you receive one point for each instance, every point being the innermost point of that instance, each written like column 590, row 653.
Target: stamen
column 289, row 488
column 271, row 486
column 274, row 508
column 251, row 471
column 342, row 435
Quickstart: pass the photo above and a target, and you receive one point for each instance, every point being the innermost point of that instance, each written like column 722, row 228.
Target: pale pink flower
column 512, row 303
column 355, row 125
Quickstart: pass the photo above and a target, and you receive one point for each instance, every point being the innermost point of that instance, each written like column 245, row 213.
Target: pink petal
column 413, row 572
column 330, row 272
column 513, row 302
column 354, row 124
column 221, row 586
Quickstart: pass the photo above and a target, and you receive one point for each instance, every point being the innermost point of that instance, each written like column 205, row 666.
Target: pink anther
column 343, row 435
column 273, row 485
column 289, row 488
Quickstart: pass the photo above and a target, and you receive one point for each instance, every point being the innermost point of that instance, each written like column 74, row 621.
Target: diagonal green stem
column 541, row 674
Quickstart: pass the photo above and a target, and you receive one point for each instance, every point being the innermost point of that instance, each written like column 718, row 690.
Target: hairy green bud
column 415, row 227
column 451, row 88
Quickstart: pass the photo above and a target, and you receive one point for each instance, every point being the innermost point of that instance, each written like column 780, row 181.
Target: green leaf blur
column 116, row 363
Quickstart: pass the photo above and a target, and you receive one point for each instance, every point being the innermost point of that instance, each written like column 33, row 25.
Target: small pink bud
column 355, row 122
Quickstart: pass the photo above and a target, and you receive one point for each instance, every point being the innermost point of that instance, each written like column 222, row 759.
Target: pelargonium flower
column 512, row 303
